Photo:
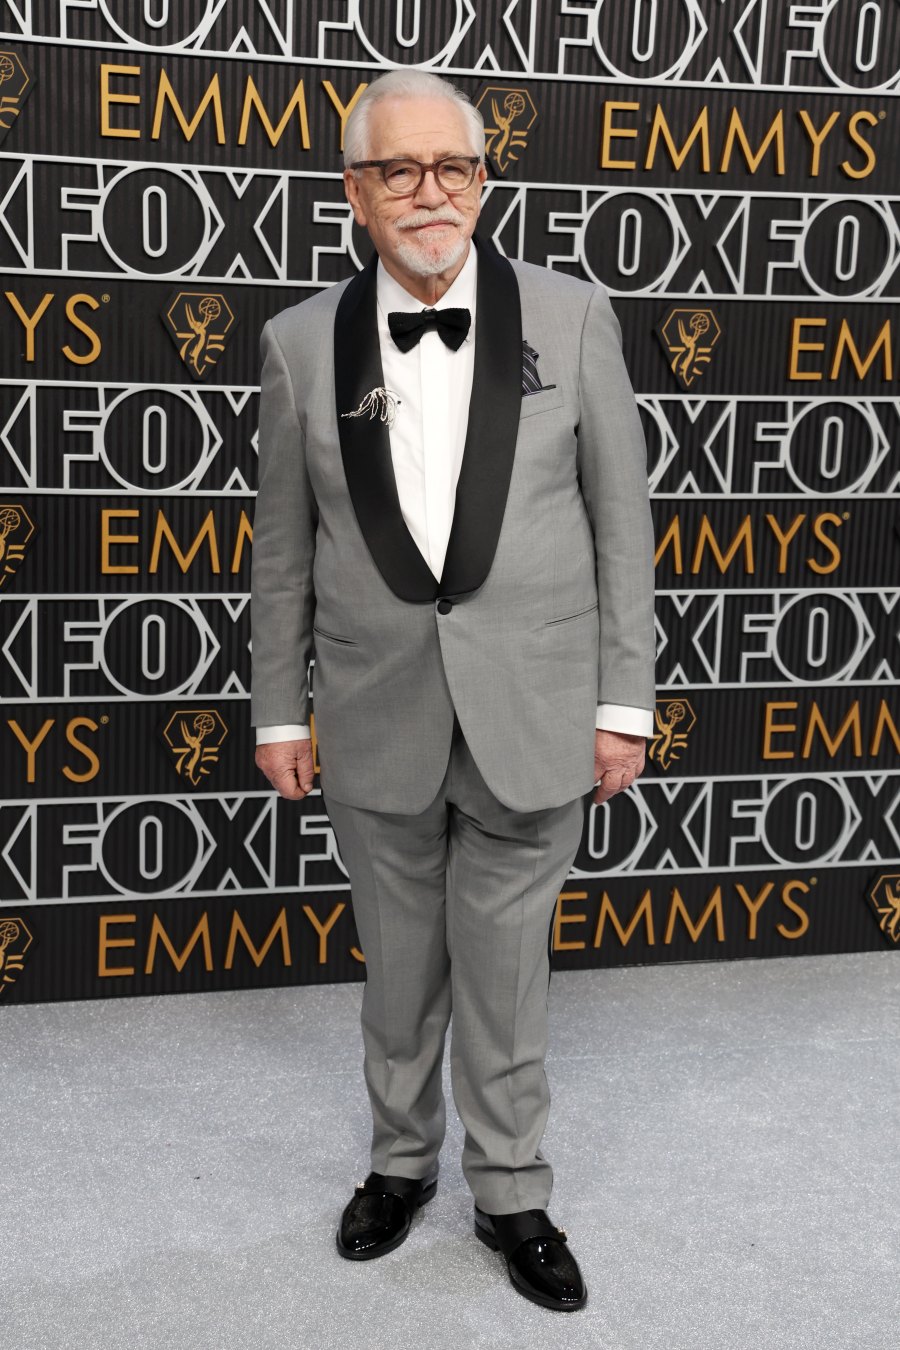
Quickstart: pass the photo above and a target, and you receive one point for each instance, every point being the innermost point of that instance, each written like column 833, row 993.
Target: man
column 453, row 513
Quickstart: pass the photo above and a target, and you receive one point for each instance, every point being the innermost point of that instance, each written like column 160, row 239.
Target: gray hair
column 407, row 84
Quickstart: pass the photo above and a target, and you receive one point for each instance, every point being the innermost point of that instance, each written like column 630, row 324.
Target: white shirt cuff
column 610, row 717
column 621, row 718
column 288, row 731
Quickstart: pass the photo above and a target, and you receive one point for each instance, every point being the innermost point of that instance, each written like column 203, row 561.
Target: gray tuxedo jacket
column 545, row 604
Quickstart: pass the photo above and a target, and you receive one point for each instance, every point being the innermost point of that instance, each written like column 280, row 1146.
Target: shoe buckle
column 360, row 1185
column 562, row 1234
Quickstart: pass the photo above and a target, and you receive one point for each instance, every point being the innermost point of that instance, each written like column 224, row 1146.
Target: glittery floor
column 725, row 1139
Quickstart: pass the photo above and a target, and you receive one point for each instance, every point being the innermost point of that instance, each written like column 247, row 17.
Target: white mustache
column 442, row 217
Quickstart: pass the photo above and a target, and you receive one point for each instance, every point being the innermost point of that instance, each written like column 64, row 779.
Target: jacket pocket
column 567, row 618
column 334, row 637
column 551, row 396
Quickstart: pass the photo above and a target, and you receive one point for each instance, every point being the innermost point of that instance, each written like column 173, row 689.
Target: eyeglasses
column 405, row 176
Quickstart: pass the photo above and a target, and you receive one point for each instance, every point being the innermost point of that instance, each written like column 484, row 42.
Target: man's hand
column 618, row 760
column 288, row 765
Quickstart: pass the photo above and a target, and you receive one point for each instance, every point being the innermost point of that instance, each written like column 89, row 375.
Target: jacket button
column 445, row 606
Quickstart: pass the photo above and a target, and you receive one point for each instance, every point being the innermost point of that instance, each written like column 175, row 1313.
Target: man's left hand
column 618, row 760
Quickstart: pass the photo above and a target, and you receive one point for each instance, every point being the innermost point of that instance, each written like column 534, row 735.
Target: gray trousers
column 454, row 909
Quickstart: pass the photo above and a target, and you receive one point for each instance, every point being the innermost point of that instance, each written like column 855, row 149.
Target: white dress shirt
column 434, row 384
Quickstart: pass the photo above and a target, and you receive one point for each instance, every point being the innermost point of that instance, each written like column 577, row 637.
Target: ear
column 351, row 190
column 480, row 179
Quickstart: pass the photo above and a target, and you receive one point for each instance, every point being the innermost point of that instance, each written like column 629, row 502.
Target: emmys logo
column 689, row 336
column 675, row 720
column 194, row 736
column 15, row 939
column 15, row 86
column 512, row 115
column 199, row 323
column 16, row 530
column 885, row 900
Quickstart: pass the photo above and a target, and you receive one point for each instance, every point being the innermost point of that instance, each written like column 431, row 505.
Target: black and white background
column 164, row 152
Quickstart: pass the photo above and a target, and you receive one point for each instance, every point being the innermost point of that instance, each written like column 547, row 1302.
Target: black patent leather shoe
column 378, row 1217
column 540, row 1265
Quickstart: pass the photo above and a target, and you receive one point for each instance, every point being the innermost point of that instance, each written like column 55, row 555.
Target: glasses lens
column 455, row 174
column 401, row 175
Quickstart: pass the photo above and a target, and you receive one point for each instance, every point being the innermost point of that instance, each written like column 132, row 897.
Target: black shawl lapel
column 366, row 446
column 493, row 426
column 490, row 437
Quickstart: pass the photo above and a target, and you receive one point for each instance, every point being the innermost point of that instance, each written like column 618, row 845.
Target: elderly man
column 453, row 515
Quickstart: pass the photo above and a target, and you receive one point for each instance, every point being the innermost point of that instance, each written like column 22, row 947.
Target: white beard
column 431, row 259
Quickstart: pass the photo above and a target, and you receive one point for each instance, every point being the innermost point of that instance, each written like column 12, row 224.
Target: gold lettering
column 75, row 724
column 244, row 532
column 743, row 536
column 798, row 346
column 851, row 723
column 31, row 747
column 754, row 906
column 343, row 110
column 107, row 97
column 845, row 343
column 559, row 918
column 108, row 540
column 884, row 721
column 784, row 539
column 158, row 933
column 643, row 910
column 206, row 531
column 736, row 133
column 772, row 728
column 714, row 906
column 89, row 357
column 323, row 929
column 279, row 928
column 106, row 921
column 817, row 138
column 786, row 899
column 610, row 133
column 826, row 518
column 660, row 128
column 857, row 139
column 29, row 321
column 252, row 100
column 165, row 93
column 314, row 743
column 672, row 536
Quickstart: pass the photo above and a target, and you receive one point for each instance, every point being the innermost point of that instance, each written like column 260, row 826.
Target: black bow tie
column 452, row 324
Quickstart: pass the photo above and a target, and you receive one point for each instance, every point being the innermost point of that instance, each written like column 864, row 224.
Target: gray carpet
column 725, row 1139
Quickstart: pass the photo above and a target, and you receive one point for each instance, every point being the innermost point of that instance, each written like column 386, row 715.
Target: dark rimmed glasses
column 453, row 173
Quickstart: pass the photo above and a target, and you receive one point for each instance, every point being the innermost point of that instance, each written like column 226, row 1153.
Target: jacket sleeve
column 284, row 535
column 612, row 465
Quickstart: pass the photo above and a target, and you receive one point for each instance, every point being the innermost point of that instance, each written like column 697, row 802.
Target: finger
column 612, row 782
column 305, row 771
column 284, row 781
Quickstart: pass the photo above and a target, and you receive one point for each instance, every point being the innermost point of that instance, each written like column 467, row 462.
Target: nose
column 429, row 192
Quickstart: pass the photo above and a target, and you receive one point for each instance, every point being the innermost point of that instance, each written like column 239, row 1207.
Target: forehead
column 417, row 126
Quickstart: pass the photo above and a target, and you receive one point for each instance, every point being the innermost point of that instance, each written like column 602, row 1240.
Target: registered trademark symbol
column 105, row 299
column 846, row 515
column 813, row 881
column 104, row 720
column 882, row 115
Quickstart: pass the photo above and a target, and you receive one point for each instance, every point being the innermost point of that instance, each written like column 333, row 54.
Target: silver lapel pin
column 380, row 403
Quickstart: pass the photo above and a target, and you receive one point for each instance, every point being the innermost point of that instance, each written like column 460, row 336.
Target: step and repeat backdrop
column 170, row 178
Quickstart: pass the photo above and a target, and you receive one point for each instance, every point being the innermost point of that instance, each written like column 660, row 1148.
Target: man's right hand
column 288, row 765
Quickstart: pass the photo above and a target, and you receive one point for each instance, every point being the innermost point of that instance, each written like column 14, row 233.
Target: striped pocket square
column 531, row 380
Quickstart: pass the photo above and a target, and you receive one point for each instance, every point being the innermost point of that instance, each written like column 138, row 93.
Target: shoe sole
column 542, row 1302
column 427, row 1194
